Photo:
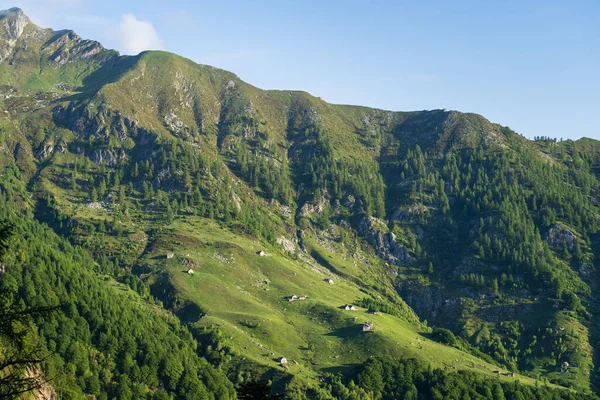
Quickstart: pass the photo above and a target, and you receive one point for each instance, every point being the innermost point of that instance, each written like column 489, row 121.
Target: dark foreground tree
column 21, row 352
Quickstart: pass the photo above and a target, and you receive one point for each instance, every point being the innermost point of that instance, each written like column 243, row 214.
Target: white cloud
column 136, row 36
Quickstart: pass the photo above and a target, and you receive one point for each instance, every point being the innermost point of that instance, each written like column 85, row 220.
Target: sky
column 531, row 65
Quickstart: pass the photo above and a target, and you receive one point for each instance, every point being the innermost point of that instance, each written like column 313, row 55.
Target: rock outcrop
column 427, row 301
column 13, row 22
column 385, row 244
column 67, row 46
column 559, row 234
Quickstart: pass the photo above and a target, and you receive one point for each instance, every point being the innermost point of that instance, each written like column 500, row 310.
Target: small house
column 368, row 326
column 261, row 253
column 329, row 280
column 190, row 271
column 373, row 312
column 349, row 307
column 510, row 374
column 283, row 360
column 170, row 255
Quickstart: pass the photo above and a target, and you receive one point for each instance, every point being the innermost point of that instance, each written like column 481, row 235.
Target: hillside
column 470, row 248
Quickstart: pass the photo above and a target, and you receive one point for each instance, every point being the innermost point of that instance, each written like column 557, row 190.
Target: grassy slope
column 230, row 284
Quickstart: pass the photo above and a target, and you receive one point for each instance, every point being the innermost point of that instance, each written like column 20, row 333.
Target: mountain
column 193, row 229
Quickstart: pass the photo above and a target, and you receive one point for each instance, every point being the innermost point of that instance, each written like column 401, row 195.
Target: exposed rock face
column 315, row 208
column 13, row 21
column 287, row 244
column 43, row 389
column 66, row 46
column 427, row 301
column 102, row 123
column 501, row 313
column 62, row 47
column 108, row 157
column 471, row 265
column 309, row 208
column 559, row 234
column 47, row 149
column 174, row 123
column 385, row 244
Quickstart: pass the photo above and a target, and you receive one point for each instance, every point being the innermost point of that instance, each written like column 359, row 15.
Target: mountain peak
column 13, row 10
column 15, row 21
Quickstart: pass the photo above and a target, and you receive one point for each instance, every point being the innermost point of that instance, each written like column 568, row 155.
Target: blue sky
column 531, row 65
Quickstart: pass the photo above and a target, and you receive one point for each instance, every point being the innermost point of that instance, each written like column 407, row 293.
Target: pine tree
column 122, row 194
column 93, row 195
column 430, row 270
column 169, row 215
column 73, row 181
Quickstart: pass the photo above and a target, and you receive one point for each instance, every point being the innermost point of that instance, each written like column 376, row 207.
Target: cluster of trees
column 381, row 306
column 495, row 207
column 320, row 172
column 264, row 172
column 22, row 352
column 513, row 197
column 177, row 180
column 99, row 341
column 547, row 139
column 411, row 379
column 517, row 345
column 384, row 378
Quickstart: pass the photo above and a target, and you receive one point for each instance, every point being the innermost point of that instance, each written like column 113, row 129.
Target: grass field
column 245, row 295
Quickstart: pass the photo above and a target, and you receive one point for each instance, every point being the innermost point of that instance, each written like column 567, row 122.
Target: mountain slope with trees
column 144, row 186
